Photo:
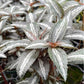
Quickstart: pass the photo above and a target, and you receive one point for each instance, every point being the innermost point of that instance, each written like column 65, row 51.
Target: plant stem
column 1, row 70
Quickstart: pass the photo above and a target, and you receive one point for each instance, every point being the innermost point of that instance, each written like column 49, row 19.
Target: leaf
column 75, row 36
column 55, row 7
column 30, row 29
column 59, row 58
column 76, row 11
column 14, row 44
column 45, row 25
column 74, row 75
column 2, row 23
column 42, row 67
column 31, row 80
column 58, row 30
column 34, row 29
column 18, row 12
column 13, row 65
column 7, row 28
column 76, row 57
column 37, row 44
column 41, row 16
column 6, row 3
column 69, row 5
column 19, row 24
column 26, row 62
column 62, row 1
column 31, row 17
column 2, row 55
column 66, row 44
column 3, row 12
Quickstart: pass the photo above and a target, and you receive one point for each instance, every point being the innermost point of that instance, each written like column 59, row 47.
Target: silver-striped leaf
column 26, row 62
column 76, row 57
column 59, row 58
column 38, row 44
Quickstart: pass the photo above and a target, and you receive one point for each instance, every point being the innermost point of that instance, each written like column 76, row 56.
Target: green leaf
column 74, row 76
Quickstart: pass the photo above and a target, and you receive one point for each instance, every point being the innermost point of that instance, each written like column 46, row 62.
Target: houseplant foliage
column 40, row 34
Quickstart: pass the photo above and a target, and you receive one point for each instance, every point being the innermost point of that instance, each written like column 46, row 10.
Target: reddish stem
column 53, row 45
column 41, row 82
column 51, row 68
column 1, row 70
column 34, row 3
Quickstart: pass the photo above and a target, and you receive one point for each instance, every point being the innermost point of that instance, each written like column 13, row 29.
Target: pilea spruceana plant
column 38, row 37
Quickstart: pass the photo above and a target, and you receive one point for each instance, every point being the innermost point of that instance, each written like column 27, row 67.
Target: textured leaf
column 55, row 7
column 59, row 58
column 34, row 29
column 14, row 44
column 37, row 44
column 58, row 30
column 42, row 67
column 31, row 17
column 66, row 44
column 76, row 57
column 27, row 61
column 41, row 16
column 75, row 36
column 77, row 10
column 5, row 4
column 2, row 23
column 69, row 5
